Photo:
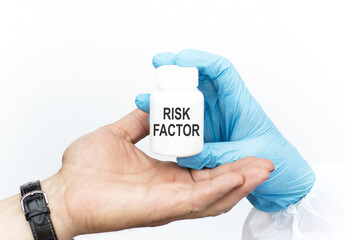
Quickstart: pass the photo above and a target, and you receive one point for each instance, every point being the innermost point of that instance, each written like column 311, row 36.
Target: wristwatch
column 34, row 204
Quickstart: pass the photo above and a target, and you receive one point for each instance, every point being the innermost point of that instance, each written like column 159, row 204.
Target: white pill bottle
column 177, row 112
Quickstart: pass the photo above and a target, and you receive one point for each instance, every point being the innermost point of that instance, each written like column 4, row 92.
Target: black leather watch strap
column 34, row 203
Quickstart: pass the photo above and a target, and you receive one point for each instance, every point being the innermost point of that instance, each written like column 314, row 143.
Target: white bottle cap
column 176, row 77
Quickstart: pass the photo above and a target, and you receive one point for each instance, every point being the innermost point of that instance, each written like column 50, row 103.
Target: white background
column 68, row 67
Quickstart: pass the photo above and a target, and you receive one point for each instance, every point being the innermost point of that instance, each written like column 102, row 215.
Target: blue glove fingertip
column 190, row 162
column 197, row 161
column 142, row 101
column 166, row 58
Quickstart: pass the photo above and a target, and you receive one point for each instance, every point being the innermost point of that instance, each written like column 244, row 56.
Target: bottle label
column 177, row 125
column 176, row 114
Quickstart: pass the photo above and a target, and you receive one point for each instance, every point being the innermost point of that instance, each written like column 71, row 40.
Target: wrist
column 54, row 187
column 13, row 224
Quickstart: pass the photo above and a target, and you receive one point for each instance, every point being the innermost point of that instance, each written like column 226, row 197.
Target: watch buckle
column 30, row 194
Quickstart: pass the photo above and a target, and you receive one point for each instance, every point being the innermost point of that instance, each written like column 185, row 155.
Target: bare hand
column 108, row 184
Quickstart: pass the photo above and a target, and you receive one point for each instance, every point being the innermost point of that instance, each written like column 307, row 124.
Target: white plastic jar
column 177, row 112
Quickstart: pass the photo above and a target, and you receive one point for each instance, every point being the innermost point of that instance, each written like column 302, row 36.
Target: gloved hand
column 237, row 127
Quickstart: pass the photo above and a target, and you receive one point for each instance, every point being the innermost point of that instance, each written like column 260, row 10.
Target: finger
column 201, row 195
column 218, row 69
column 238, row 166
column 254, row 171
column 253, row 178
column 209, row 174
column 226, row 96
column 205, row 193
column 254, row 174
column 166, row 58
column 142, row 101
column 132, row 127
column 217, row 153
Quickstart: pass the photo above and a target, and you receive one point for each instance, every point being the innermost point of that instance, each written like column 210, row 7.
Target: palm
column 108, row 165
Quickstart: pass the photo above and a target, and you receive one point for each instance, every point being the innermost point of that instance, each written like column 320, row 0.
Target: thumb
column 132, row 127
column 217, row 153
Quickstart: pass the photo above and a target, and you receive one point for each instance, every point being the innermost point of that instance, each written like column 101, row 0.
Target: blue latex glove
column 237, row 127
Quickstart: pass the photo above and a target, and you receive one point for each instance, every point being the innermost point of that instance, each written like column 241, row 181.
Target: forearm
column 12, row 219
